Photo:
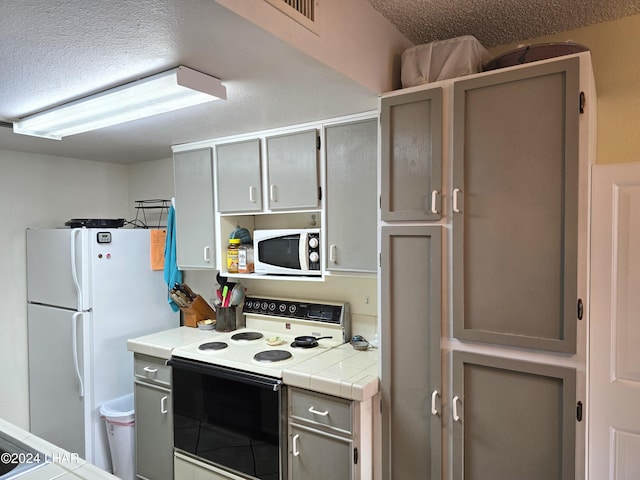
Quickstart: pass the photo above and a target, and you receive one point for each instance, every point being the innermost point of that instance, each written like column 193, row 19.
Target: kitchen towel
column 171, row 273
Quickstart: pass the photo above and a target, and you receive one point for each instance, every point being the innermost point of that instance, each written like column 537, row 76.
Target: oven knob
column 292, row 309
column 264, row 305
column 314, row 257
column 313, row 242
column 282, row 307
column 272, row 306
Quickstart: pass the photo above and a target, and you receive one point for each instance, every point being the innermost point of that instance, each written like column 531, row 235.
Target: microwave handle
column 303, row 252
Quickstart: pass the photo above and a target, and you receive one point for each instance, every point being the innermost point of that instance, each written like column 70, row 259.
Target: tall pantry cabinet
column 483, row 273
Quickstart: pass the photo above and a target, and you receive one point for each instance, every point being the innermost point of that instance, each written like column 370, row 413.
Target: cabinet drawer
column 321, row 409
column 152, row 369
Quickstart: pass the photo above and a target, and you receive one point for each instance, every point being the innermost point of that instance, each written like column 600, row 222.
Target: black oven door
column 232, row 419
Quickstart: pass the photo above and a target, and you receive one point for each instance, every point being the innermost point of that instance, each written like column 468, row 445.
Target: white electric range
column 229, row 400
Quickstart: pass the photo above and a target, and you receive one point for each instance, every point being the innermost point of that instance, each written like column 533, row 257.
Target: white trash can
column 120, row 421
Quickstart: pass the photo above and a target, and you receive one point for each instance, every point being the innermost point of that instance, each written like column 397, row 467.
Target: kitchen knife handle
column 434, row 199
column 74, row 346
column 456, row 417
column 434, row 397
column 163, row 405
column 295, row 452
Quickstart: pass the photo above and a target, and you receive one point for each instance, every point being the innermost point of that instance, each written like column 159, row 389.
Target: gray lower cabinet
column 195, row 239
column 411, row 385
column 515, row 206
column 322, row 443
column 512, row 419
column 351, row 158
column 239, row 177
column 411, row 155
column 292, row 170
column 154, row 419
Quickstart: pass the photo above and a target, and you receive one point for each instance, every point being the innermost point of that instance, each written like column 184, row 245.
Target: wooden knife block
column 198, row 310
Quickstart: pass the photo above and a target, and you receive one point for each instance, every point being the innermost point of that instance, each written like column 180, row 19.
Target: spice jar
column 245, row 259
column 232, row 255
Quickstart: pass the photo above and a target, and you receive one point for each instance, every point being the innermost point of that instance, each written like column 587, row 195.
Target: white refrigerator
column 89, row 290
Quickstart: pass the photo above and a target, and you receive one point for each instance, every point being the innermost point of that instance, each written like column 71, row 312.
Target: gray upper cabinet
column 351, row 203
column 239, row 178
column 515, row 206
column 195, row 239
column 512, row 419
column 411, row 385
column 411, row 156
column 292, row 176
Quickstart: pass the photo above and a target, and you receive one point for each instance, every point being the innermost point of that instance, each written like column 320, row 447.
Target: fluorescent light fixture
column 165, row 92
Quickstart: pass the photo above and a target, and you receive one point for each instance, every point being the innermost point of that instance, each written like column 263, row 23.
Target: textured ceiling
column 55, row 51
column 498, row 22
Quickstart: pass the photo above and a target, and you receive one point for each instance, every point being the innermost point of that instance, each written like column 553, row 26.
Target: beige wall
column 616, row 65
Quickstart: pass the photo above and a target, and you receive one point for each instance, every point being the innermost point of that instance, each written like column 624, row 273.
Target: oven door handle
column 216, row 371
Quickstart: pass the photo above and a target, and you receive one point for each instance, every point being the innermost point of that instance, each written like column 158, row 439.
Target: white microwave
column 287, row 251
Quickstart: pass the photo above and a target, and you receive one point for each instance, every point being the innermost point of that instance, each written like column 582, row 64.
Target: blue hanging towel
column 171, row 273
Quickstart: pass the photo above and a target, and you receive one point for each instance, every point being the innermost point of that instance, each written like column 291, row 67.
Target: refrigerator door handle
column 74, row 340
column 74, row 269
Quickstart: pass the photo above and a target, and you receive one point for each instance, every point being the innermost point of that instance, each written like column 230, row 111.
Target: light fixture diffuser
column 164, row 92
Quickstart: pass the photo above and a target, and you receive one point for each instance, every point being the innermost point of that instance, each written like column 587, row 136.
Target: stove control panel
column 318, row 312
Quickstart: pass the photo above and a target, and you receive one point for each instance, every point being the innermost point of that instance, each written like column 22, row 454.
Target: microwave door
column 280, row 254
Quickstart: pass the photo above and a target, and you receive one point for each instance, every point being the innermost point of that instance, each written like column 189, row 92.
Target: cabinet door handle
column 163, row 405
column 295, row 452
column 456, row 417
column 316, row 412
column 456, row 207
column 206, row 253
column 434, row 199
column 252, row 194
column 332, row 253
column 272, row 193
column 434, row 398
column 150, row 370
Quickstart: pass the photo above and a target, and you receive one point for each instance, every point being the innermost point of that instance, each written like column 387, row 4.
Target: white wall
column 351, row 37
column 45, row 191
column 150, row 180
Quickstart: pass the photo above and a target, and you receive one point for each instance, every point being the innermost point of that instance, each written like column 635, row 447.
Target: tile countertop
column 341, row 371
column 63, row 466
column 161, row 344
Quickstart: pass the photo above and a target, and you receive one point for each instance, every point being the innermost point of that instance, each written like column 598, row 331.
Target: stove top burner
column 270, row 356
column 247, row 336
column 213, row 346
column 295, row 344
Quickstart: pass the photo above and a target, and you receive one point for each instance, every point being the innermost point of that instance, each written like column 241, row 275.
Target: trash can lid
column 118, row 407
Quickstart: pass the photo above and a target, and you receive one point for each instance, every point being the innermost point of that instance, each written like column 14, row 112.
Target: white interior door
column 614, row 362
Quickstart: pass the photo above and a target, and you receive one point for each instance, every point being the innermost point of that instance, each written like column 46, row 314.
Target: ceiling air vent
column 302, row 11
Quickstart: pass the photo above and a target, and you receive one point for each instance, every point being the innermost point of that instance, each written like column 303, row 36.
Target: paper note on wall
column 158, row 238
